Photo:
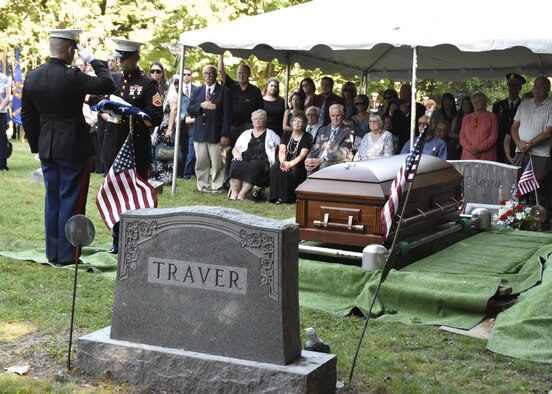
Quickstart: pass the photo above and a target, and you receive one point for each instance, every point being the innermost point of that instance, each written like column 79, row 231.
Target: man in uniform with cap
column 140, row 91
column 505, row 110
column 51, row 111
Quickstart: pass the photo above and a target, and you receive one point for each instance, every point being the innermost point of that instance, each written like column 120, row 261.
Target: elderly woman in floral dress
column 377, row 142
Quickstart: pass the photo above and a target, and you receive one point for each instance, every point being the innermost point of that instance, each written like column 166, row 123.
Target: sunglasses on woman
column 156, row 71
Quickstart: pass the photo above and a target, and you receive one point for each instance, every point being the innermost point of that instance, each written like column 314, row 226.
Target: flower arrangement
column 514, row 214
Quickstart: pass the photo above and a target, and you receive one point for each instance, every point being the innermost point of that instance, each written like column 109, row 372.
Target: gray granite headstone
column 486, row 182
column 210, row 280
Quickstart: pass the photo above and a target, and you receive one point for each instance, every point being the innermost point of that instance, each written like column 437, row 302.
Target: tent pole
column 413, row 97
column 178, row 123
column 287, row 78
column 365, row 82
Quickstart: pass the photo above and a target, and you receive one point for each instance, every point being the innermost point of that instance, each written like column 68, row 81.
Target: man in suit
column 312, row 114
column 140, row 91
column 325, row 100
column 333, row 144
column 51, row 111
column 505, row 111
column 211, row 107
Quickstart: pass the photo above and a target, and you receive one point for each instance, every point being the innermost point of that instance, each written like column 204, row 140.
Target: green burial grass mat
column 407, row 297
column 95, row 259
column 524, row 330
column 509, row 254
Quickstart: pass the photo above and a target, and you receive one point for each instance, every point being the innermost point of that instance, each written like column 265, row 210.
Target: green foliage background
column 158, row 23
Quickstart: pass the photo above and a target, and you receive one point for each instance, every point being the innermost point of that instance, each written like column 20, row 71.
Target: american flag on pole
column 527, row 182
column 123, row 189
column 405, row 175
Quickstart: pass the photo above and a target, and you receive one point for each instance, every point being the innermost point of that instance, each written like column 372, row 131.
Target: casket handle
column 341, row 226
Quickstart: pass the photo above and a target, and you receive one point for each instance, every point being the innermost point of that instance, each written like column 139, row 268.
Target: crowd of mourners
column 238, row 139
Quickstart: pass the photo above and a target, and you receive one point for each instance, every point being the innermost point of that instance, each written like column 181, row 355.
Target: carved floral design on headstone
column 266, row 244
column 135, row 230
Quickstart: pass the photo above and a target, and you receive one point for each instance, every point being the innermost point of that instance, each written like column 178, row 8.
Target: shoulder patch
column 156, row 100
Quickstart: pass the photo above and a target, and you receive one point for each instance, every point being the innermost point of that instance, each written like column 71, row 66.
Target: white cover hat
column 67, row 34
column 125, row 47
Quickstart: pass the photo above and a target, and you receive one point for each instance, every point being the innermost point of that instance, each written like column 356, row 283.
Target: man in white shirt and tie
column 333, row 143
column 312, row 114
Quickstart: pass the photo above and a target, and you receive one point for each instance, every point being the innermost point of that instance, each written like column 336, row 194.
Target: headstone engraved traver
column 210, row 280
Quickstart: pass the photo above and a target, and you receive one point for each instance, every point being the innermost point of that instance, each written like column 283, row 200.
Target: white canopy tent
column 355, row 37
column 401, row 41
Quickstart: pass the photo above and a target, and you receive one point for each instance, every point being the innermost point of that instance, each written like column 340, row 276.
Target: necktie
column 208, row 94
column 187, row 90
column 511, row 105
column 332, row 134
column 309, row 129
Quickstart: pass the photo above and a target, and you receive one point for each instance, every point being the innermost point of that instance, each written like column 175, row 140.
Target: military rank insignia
column 156, row 100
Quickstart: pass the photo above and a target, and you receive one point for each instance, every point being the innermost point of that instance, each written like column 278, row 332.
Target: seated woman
column 290, row 171
column 254, row 153
column 377, row 142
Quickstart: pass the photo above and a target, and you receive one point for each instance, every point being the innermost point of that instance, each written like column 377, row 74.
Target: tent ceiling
column 474, row 40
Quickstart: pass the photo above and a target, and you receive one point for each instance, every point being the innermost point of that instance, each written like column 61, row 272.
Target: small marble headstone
column 486, row 182
column 210, row 280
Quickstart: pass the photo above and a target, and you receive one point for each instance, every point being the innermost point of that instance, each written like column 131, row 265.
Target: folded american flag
column 120, row 108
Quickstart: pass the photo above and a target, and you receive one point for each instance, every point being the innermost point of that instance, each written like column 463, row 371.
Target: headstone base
column 177, row 370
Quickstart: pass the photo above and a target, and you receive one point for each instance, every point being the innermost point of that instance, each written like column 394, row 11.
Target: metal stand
column 80, row 232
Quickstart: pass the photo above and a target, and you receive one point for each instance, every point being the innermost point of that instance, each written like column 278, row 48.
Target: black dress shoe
column 66, row 263
column 113, row 251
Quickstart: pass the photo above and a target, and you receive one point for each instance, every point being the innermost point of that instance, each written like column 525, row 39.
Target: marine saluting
column 51, row 112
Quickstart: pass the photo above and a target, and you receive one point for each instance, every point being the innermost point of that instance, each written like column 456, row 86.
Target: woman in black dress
column 290, row 171
column 254, row 153
column 274, row 105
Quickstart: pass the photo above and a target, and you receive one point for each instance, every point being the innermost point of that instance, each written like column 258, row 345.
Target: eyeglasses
column 187, row 74
column 155, row 71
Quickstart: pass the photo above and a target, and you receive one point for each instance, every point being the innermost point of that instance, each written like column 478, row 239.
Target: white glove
column 85, row 54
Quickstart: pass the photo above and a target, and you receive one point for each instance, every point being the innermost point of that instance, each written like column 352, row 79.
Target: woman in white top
column 254, row 153
column 377, row 142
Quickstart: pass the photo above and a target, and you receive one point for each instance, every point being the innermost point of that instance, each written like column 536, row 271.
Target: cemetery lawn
column 35, row 309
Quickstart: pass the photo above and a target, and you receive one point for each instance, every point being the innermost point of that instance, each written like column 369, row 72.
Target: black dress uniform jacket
column 142, row 92
column 505, row 116
column 51, row 108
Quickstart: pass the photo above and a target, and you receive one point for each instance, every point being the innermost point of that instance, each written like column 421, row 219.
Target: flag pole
column 388, row 262
column 533, row 169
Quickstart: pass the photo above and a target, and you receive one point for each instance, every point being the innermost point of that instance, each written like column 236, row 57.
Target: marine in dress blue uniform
column 51, row 111
column 143, row 92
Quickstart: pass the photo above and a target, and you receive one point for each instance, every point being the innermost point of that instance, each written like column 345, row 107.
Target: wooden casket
column 341, row 204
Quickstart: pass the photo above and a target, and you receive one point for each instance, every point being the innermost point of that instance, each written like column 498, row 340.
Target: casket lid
column 379, row 170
